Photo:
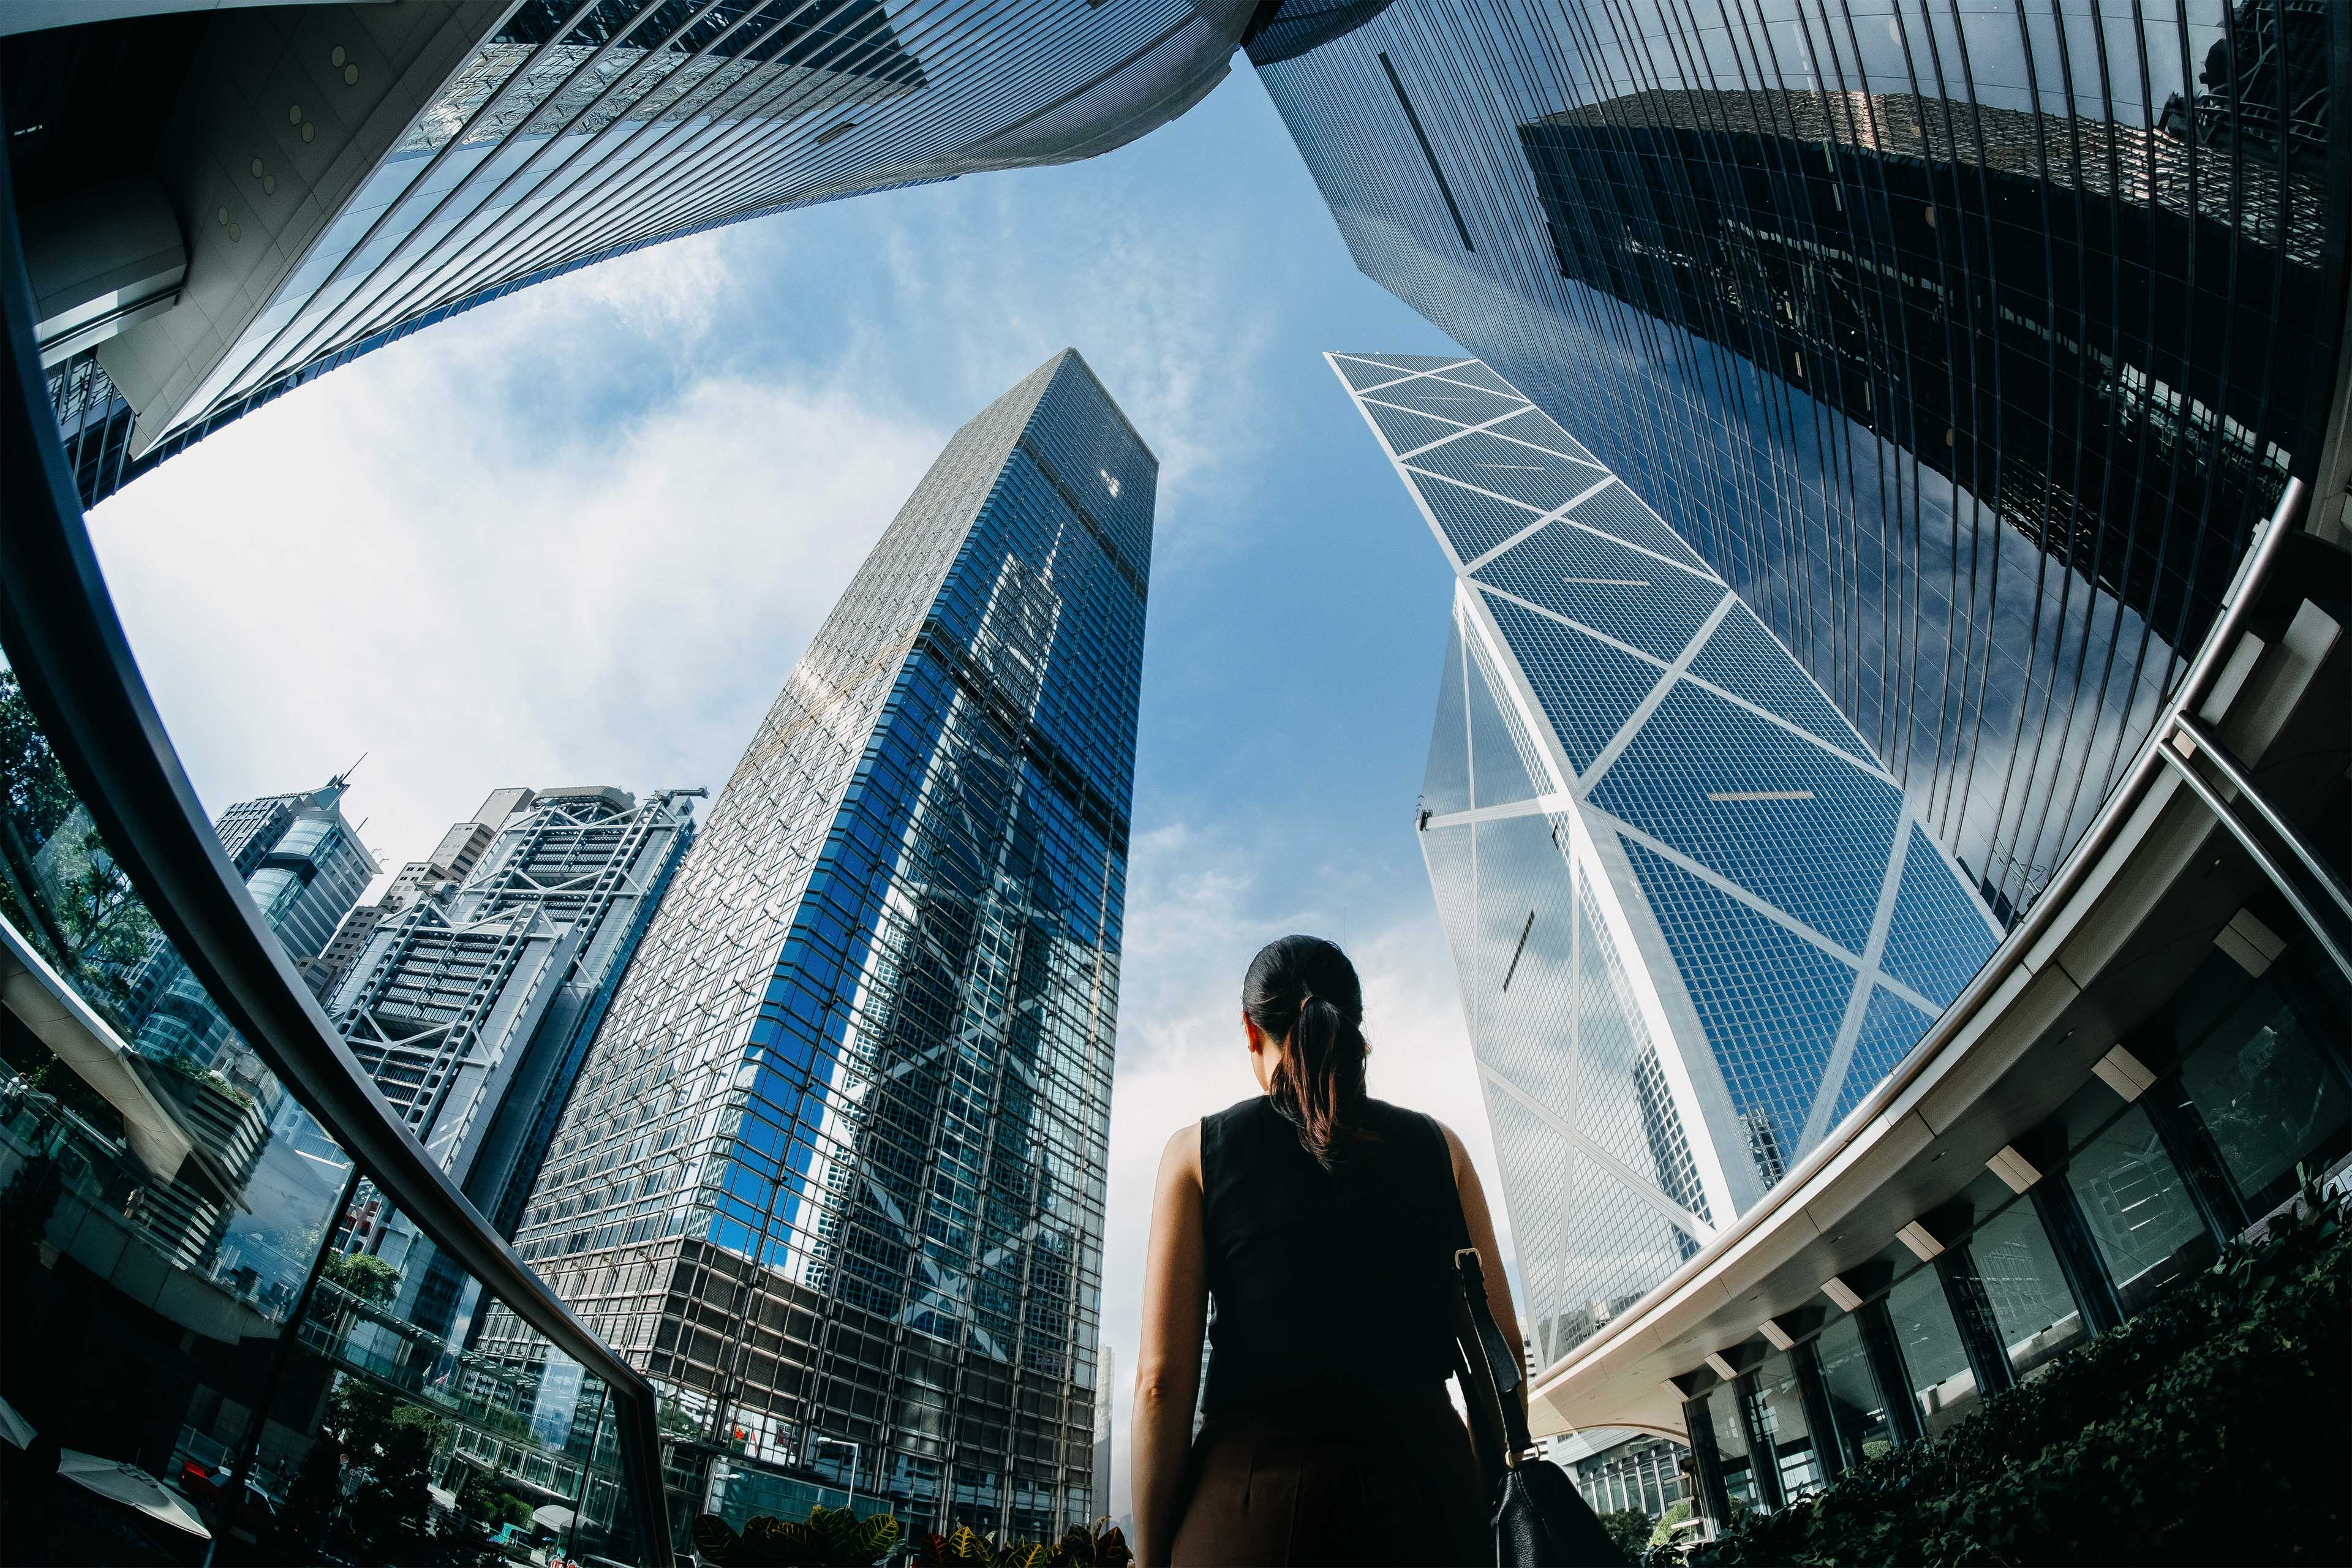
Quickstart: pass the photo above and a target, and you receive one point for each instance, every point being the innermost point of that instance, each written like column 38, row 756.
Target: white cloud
column 1198, row 911
column 388, row 562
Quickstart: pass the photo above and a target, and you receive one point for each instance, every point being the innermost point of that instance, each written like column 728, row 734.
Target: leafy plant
column 2210, row 1428
column 1629, row 1529
column 1104, row 1546
column 835, row 1538
column 364, row 1275
column 1666, row 1526
column 828, row 1538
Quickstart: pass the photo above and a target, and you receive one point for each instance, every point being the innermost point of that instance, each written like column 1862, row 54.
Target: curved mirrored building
column 833, row 1173
column 1970, row 346
column 1693, row 918
column 221, row 204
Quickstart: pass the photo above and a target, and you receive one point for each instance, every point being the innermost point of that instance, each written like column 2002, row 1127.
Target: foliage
column 833, row 1538
column 491, row 1498
column 1629, row 1530
column 33, row 788
column 1104, row 1546
column 1666, row 1526
column 364, row 1275
column 828, row 1538
column 2210, row 1428
column 95, row 922
column 363, row 1491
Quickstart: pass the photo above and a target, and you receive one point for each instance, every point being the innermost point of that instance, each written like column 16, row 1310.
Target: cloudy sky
column 581, row 535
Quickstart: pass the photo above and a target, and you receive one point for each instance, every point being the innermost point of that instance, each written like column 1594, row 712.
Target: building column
column 2078, row 1255
column 1829, row 1443
column 1885, row 1354
column 1713, row 1500
column 1964, row 1292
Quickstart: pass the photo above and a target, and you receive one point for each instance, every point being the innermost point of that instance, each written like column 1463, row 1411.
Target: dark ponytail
column 1303, row 992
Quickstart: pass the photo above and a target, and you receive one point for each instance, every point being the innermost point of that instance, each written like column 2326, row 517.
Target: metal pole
column 2260, row 856
column 2230, row 768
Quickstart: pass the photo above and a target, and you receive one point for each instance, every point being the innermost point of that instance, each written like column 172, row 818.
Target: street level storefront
column 2152, row 1064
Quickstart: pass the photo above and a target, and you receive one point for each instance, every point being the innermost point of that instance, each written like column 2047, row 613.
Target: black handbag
column 1540, row 1520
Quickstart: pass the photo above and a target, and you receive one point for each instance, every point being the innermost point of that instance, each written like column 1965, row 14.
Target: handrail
column 2009, row 956
column 61, row 635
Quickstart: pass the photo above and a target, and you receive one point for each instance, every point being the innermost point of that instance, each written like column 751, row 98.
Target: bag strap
column 1490, row 1362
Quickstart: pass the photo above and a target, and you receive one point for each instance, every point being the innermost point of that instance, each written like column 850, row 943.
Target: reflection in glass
column 1970, row 356
column 1778, row 1406
column 1855, row 1405
column 1731, row 1449
column 2143, row 1220
column 2259, row 1075
column 2032, row 1308
column 1932, row 1353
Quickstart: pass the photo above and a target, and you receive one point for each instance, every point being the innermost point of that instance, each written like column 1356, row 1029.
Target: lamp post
column 819, row 1438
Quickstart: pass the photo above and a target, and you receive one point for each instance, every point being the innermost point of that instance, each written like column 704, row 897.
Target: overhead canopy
column 131, row 1486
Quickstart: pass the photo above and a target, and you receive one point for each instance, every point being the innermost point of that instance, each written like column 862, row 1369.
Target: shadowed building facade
column 224, row 203
column 834, row 1173
column 1693, row 918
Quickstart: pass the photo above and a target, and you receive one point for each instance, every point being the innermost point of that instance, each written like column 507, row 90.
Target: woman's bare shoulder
column 1181, row 1156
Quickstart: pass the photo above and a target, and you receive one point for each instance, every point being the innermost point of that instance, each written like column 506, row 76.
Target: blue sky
column 581, row 534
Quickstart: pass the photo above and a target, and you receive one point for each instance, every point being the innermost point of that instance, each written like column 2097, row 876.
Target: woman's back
column 1319, row 1224
column 1326, row 1279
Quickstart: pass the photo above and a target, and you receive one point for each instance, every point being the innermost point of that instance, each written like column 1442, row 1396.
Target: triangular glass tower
column 1693, row 917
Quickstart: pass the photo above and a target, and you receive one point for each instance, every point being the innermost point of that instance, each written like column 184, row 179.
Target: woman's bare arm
column 1490, row 1252
column 1168, row 1363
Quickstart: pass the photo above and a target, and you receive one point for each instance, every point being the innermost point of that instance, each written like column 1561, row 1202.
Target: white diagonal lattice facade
column 1693, row 918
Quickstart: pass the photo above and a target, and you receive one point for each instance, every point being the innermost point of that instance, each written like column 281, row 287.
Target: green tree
column 84, row 911
column 364, row 1275
column 1674, row 1516
column 1629, row 1530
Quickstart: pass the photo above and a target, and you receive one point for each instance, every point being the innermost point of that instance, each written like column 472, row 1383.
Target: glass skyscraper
column 1968, row 345
column 238, row 200
column 272, row 1173
column 834, row 1173
column 1694, row 918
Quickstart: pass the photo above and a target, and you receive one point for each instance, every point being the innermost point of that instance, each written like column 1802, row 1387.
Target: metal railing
column 67, row 646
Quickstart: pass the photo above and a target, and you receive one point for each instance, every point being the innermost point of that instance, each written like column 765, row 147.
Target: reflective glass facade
column 1968, row 344
column 350, row 178
column 1694, row 919
column 176, row 1298
column 834, row 1173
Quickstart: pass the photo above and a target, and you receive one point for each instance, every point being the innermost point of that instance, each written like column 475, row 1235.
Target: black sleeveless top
column 1323, row 1281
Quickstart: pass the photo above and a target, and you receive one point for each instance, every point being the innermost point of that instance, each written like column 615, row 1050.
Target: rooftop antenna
column 346, row 774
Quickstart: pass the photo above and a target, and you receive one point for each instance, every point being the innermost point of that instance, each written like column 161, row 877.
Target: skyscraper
column 1970, row 356
column 251, row 1215
column 1693, row 918
column 473, row 1006
column 834, row 1173
column 222, row 204
column 305, row 868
